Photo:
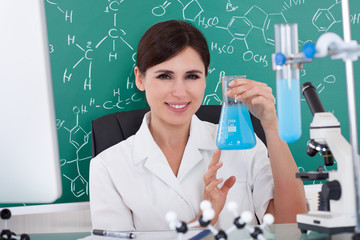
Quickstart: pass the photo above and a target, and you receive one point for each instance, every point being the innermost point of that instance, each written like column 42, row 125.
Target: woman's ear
column 139, row 79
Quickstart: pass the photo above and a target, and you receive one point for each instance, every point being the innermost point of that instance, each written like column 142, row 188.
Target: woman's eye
column 164, row 76
column 192, row 76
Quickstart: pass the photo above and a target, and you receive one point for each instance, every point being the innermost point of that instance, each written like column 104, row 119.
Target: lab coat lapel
column 145, row 149
column 190, row 158
column 200, row 139
column 158, row 165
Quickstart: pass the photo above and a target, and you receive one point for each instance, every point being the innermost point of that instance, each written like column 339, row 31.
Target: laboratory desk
column 277, row 231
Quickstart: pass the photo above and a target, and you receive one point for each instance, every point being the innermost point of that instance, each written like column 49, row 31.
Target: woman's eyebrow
column 172, row 72
column 164, row 71
column 194, row 71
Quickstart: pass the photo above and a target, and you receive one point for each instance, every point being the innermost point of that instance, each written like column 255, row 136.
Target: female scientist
column 172, row 163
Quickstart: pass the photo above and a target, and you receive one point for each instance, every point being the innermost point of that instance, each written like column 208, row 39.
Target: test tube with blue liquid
column 288, row 83
column 235, row 130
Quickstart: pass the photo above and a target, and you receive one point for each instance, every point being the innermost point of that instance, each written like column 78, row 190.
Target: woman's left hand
column 258, row 97
column 212, row 192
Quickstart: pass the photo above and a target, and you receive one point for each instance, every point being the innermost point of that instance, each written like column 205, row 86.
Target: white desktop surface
column 277, row 231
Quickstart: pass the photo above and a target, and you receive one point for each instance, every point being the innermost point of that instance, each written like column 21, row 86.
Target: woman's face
column 175, row 88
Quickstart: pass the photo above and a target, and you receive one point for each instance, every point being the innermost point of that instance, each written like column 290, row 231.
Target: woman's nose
column 179, row 89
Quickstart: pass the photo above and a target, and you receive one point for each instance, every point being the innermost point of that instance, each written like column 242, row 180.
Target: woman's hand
column 258, row 97
column 214, row 194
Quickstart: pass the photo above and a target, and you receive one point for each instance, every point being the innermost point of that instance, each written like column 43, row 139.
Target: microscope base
column 305, row 227
column 324, row 222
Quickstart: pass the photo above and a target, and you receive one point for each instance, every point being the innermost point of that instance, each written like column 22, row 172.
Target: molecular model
column 7, row 233
column 240, row 222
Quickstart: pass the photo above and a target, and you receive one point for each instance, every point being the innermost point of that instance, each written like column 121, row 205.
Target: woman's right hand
column 217, row 196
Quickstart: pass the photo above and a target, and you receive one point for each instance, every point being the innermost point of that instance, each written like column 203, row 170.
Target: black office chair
column 110, row 129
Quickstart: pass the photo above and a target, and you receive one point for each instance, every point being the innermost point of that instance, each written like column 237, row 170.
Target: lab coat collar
column 145, row 149
column 202, row 136
column 145, row 146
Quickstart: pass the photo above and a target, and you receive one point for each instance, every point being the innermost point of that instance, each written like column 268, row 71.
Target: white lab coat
column 133, row 187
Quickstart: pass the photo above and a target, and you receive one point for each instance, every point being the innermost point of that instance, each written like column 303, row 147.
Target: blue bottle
column 235, row 130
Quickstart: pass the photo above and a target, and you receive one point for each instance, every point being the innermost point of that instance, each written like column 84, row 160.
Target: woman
column 172, row 162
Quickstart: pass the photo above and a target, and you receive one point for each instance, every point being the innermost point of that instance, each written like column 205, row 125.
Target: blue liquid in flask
column 288, row 109
column 235, row 129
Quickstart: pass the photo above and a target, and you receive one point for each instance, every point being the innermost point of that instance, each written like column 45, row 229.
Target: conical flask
column 235, row 130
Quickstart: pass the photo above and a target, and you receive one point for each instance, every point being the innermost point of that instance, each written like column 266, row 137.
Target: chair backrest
column 111, row 129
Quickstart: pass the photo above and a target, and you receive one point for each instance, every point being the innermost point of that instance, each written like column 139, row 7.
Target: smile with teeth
column 178, row 106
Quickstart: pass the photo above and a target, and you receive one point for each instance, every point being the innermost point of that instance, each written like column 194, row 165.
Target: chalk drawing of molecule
column 213, row 99
column 230, row 7
column 330, row 79
column 287, row 4
column 119, row 103
column 268, row 31
column 324, row 19
column 113, row 5
column 68, row 14
column 78, row 138
column 114, row 33
column 191, row 10
column 240, row 27
column 87, row 56
column 160, row 10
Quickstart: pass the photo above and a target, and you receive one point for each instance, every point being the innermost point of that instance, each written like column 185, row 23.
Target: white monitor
column 29, row 155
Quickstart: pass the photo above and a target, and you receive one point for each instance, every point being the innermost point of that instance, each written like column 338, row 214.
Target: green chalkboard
column 93, row 47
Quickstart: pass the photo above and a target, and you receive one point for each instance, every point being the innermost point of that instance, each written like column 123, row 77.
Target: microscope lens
column 311, row 148
column 328, row 158
column 311, row 151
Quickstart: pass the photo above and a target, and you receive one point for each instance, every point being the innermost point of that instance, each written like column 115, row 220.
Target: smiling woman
column 172, row 162
column 171, row 68
column 174, row 90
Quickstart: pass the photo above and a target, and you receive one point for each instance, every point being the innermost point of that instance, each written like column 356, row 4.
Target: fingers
column 239, row 81
column 213, row 167
column 257, row 90
column 256, row 95
column 229, row 183
column 215, row 158
column 245, row 89
column 213, row 185
column 210, row 180
column 210, row 175
column 244, row 84
column 261, row 100
column 253, row 97
column 218, row 195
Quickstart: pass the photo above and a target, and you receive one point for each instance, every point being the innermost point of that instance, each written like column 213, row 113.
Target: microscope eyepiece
column 312, row 98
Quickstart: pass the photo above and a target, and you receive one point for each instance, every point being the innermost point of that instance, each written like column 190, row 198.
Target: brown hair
column 164, row 40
